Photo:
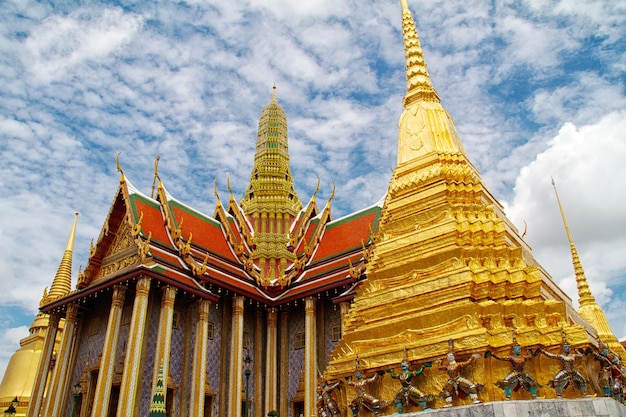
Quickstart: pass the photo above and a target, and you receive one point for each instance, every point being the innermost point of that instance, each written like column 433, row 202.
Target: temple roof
column 206, row 255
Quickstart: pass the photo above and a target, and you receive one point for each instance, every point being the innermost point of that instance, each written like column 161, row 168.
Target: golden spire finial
column 418, row 85
column 156, row 173
column 215, row 188
column 62, row 283
column 230, row 190
column 584, row 293
column 332, row 195
column 318, row 186
column 119, row 168
column 274, row 96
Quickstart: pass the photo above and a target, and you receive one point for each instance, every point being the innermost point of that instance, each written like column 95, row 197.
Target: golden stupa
column 21, row 371
column 450, row 271
column 444, row 272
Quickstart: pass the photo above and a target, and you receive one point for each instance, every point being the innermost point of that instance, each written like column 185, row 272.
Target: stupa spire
column 271, row 202
column 62, row 283
column 588, row 308
column 584, row 293
column 425, row 127
column 418, row 85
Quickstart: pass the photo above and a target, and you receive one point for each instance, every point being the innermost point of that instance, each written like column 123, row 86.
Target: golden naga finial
column 186, row 248
column 332, row 195
column 215, row 189
column 156, row 173
column 355, row 273
column 200, row 270
column 136, row 229
column 119, row 168
column 365, row 252
column 144, row 248
column 318, row 186
column 230, row 190
column 525, row 229
column 179, row 230
column 92, row 248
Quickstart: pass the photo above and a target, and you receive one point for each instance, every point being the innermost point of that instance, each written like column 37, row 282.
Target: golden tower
column 270, row 202
column 588, row 308
column 448, row 266
column 21, row 370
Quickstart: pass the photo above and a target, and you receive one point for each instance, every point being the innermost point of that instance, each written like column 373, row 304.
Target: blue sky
column 536, row 89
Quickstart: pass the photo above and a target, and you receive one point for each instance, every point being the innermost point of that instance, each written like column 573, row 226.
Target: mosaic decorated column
column 102, row 394
column 284, row 360
column 39, row 387
column 164, row 336
column 128, row 402
column 236, row 360
column 198, row 373
column 310, row 358
column 59, row 387
column 271, row 372
column 258, row 360
column 344, row 307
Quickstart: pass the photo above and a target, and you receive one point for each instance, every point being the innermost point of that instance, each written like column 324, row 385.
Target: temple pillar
column 258, row 361
column 310, row 358
column 164, row 336
column 284, row 361
column 102, row 393
column 344, row 307
column 236, row 358
column 128, row 401
column 190, row 318
column 271, row 370
column 200, row 348
column 60, row 384
column 39, row 387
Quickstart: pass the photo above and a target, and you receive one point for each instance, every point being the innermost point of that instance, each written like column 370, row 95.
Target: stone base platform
column 582, row 407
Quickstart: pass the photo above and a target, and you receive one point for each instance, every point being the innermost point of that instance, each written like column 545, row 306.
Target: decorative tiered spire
column 271, row 203
column 418, row 85
column 425, row 126
column 271, row 183
column 588, row 308
column 157, row 406
column 584, row 293
column 62, row 283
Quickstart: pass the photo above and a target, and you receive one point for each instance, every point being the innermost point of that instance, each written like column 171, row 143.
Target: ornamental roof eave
column 177, row 244
column 156, row 271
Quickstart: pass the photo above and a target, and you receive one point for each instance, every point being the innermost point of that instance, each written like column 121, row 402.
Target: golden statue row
column 612, row 374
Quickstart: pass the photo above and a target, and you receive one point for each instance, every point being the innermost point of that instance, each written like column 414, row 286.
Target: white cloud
column 585, row 162
column 62, row 42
